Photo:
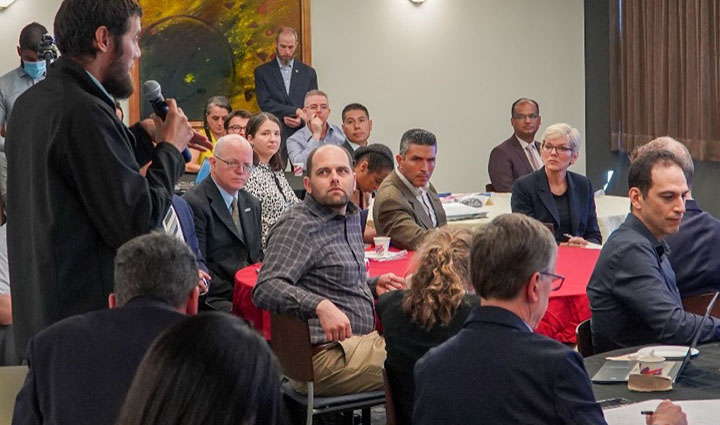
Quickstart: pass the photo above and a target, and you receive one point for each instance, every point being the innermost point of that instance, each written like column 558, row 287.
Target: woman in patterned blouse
column 267, row 180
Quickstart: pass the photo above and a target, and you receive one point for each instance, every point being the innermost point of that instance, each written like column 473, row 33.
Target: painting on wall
column 197, row 49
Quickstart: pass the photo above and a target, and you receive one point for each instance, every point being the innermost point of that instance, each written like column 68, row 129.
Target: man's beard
column 118, row 82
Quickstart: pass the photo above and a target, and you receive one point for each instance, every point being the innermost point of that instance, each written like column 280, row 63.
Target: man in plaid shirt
column 314, row 269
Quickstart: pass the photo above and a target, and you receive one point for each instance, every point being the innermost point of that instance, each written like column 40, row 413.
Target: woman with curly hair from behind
column 430, row 311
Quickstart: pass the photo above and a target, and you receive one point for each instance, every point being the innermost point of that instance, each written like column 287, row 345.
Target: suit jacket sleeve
column 500, row 170
column 592, row 230
column 574, row 402
column 393, row 218
column 521, row 200
column 100, row 159
column 264, row 96
column 27, row 405
column 143, row 147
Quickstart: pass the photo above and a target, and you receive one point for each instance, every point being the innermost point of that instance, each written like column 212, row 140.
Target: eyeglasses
column 521, row 117
column 556, row 282
column 323, row 107
column 558, row 149
column 236, row 128
column 237, row 166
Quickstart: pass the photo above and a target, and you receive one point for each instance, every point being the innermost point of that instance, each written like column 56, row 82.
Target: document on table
column 699, row 412
column 457, row 211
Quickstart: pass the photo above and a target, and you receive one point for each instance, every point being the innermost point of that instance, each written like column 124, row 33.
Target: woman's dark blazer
column 531, row 196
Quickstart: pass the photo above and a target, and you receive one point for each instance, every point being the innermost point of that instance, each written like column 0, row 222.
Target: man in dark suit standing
column 81, row 367
column 281, row 84
column 514, row 375
column 227, row 219
column 520, row 154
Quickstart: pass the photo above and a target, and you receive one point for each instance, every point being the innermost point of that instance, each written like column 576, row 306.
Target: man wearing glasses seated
column 520, row 154
column 227, row 219
column 318, row 130
column 496, row 370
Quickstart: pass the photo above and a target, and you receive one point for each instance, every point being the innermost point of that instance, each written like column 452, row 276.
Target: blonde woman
column 432, row 310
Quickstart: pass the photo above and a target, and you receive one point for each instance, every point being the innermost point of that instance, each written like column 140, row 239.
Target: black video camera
column 47, row 49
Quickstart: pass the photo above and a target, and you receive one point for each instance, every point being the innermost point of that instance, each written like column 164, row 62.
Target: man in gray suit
column 407, row 206
column 520, row 154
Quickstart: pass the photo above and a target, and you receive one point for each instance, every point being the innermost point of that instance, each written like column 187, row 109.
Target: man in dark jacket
column 82, row 195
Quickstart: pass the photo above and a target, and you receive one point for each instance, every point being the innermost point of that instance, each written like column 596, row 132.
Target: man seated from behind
column 82, row 366
column 407, row 206
column 227, row 219
column 632, row 291
column 692, row 249
column 315, row 269
column 496, row 370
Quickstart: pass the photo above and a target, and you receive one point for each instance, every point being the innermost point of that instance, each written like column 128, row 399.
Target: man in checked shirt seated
column 314, row 269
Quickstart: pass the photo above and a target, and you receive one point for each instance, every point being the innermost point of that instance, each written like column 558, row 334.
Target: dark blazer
column 406, row 342
column 696, row 266
column 80, row 196
column 397, row 213
column 531, row 196
column 508, row 162
column 497, row 371
column 271, row 94
column 82, row 367
column 224, row 249
column 187, row 224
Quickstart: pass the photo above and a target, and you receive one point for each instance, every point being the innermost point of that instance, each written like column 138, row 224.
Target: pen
column 647, row 412
column 568, row 235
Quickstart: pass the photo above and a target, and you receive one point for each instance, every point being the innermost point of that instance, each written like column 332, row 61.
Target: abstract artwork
column 197, row 49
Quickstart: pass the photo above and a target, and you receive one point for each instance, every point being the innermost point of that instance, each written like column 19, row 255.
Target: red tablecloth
column 567, row 307
column 246, row 278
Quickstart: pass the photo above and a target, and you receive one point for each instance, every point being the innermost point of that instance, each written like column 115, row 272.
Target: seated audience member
column 518, row 155
column 217, row 109
column 236, row 122
column 82, row 366
column 324, row 280
column 317, row 131
column 633, row 296
column 198, row 364
column 372, row 164
column 356, row 125
column 430, row 311
column 505, row 373
column 227, row 219
column 7, row 348
column 557, row 196
column 692, row 254
column 407, row 207
column 267, row 180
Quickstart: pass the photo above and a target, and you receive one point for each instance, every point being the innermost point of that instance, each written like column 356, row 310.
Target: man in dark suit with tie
column 227, row 219
column 520, row 154
column 281, row 84
column 81, row 367
column 513, row 375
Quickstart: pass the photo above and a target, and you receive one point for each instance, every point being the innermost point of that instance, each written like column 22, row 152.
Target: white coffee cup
column 382, row 246
column 298, row 169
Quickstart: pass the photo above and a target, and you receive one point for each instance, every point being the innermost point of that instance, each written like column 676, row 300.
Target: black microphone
column 152, row 92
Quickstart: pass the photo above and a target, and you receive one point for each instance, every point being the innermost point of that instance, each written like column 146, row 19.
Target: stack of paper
column 457, row 211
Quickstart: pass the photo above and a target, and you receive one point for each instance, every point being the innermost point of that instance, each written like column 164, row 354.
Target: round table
column 699, row 381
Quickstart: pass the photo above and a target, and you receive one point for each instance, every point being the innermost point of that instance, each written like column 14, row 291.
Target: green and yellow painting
column 197, row 49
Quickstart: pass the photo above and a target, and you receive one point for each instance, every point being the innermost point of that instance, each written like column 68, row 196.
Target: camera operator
column 77, row 164
column 14, row 83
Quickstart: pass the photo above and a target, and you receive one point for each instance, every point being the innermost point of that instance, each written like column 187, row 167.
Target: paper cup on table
column 298, row 169
column 382, row 246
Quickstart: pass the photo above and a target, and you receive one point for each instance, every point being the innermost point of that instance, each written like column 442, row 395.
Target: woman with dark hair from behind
column 267, row 181
column 431, row 310
column 372, row 164
column 207, row 369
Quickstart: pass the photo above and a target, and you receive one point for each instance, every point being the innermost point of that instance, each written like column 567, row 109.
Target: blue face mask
column 34, row 69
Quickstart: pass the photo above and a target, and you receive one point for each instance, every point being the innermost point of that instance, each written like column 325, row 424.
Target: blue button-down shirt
column 301, row 143
column 633, row 295
column 286, row 72
column 12, row 85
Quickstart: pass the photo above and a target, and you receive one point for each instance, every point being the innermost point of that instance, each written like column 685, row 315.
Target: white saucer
column 669, row 351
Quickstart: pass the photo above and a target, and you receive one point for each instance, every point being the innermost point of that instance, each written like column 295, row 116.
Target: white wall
column 453, row 67
column 450, row 66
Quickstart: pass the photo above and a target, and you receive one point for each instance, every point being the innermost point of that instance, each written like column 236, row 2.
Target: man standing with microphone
column 83, row 194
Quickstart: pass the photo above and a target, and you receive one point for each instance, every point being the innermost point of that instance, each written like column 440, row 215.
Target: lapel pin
column 247, row 209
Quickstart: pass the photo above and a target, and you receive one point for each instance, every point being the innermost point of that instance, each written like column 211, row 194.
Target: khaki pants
column 347, row 367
